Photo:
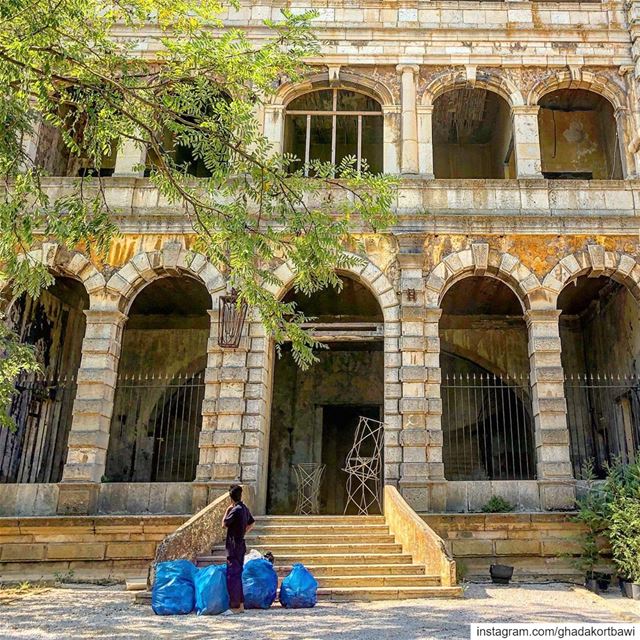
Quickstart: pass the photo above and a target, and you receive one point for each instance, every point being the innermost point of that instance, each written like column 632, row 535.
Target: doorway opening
column 339, row 424
column 314, row 412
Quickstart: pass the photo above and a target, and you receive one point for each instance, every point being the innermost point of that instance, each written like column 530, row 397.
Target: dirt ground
column 82, row 611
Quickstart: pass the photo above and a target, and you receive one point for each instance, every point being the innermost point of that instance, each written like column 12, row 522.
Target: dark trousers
column 235, row 561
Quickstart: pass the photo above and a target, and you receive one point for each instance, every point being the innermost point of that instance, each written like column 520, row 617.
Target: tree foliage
column 166, row 75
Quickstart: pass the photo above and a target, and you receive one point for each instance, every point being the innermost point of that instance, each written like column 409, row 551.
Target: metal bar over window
column 603, row 417
column 487, row 425
column 36, row 450
column 155, row 428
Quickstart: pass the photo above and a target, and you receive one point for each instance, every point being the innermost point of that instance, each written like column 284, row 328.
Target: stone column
column 274, row 115
column 419, row 404
column 209, row 438
column 129, row 155
column 555, row 476
column 628, row 161
column 223, row 408
column 92, row 410
column 254, row 457
column 409, row 117
column 526, row 141
column 391, row 139
column 30, row 143
column 425, row 141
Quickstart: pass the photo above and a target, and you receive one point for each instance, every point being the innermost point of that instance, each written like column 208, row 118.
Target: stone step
column 319, row 529
column 320, row 520
column 313, row 548
column 377, row 581
column 351, row 594
column 320, row 570
column 310, row 559
column 253, row 539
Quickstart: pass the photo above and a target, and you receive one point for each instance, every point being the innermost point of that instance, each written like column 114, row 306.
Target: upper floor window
column 472, row 135
column 331, row 124
column 578, row 136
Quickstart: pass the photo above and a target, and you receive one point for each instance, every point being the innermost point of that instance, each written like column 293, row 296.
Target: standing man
column 238, row 520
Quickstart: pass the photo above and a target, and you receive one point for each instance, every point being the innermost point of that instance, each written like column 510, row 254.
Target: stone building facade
column 494, row 329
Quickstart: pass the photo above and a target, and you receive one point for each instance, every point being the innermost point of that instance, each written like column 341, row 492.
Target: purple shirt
column 237, row 521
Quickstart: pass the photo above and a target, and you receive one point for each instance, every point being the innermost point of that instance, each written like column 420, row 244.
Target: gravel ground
column 85, row 612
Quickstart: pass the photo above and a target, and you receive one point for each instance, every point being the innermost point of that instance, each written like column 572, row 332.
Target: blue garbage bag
column 299, row 589
column 173, row 588
column 259, row 584
column 212, row 595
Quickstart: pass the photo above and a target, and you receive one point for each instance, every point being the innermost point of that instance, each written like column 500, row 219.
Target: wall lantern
column 231, row 320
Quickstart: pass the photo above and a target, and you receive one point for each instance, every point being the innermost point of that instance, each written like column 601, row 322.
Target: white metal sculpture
column 364, row 467
column 308, row 478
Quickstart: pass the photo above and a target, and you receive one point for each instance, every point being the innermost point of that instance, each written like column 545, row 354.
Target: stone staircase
column 352, row 557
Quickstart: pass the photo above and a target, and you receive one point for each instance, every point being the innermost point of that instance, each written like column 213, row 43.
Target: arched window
column 331, row 124
column 472, row 135
column 599, row 331
column 578, row 136
column 187, row 149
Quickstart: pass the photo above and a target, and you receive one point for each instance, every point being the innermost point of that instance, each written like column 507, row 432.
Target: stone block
column 517, row 547
column 124, row 550
column 413, row 405
column 138, row 495
column 561, row 547
column 557, row 496
column 457, row 497
column 25, row 552
column 157, row 497
column 416, row 497
column 77, row 498
column 478, row 494
column 465, row 548
column 528, row 495
column 113, row 498
column 414, row 437
column 8, row 495
column 76, row 551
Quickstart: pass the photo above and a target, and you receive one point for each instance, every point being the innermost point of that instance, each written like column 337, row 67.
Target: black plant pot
column 603, row 580
column 500, row 573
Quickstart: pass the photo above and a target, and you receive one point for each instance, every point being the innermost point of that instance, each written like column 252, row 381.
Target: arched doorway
column 41, row 408
column 314, row 413
column 472, row 135
column 600, row 334
column 157, row 412
column 486, row 400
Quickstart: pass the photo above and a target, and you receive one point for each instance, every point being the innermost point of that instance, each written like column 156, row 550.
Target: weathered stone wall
column 81, row 548
column 534, row 235
column 541, row 547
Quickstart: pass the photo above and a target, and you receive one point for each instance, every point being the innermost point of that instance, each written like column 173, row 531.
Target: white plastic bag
column 254, row 554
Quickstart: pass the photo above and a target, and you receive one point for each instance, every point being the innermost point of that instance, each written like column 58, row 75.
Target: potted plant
column 592, row 513
column 624, row 535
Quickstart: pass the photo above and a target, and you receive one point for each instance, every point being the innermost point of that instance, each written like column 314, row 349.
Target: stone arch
column 578, row 79
column 478, row 260
column 367, row 274
column 172, row 260
column 489, row 80
column 62, row 262
column 595, row 261
column 348, row 80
